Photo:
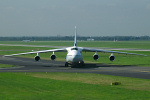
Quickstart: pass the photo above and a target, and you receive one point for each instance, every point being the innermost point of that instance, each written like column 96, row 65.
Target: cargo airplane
column 74, row 53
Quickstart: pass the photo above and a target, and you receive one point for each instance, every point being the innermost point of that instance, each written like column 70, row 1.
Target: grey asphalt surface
column 30, row 65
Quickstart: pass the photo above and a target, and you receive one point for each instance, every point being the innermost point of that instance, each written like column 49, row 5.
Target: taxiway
column 29, row 65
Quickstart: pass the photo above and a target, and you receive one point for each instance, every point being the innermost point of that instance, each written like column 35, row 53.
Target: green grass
column 107, row 44
column 127, row 83
column 6, row 66
column 71, row 86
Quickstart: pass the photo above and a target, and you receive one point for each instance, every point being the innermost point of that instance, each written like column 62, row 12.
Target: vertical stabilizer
column 75, row 37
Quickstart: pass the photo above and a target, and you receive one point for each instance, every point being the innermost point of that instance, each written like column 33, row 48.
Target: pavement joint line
column 144, row 71
column 139, row 71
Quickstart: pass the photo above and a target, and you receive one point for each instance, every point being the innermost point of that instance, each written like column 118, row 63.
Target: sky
column 59, row 17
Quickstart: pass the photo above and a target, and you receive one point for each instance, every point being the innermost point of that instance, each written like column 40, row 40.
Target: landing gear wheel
column 83, row 64
column 66, row 64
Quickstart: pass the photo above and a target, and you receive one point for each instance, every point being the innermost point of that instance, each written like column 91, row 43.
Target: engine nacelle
column 95, row 56
column 53, row 57
column 37, row 58
column 111, row 57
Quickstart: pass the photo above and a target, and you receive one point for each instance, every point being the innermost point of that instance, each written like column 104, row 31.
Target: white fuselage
column 74, row 55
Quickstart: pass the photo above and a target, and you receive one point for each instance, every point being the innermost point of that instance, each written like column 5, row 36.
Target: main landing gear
column 79, row 64
column 66, row 64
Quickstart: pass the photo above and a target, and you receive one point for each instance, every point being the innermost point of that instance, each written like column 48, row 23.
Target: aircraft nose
column 77, row 58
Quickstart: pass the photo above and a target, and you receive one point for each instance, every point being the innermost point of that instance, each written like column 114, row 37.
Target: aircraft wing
column 108, row 51
column 42, row 51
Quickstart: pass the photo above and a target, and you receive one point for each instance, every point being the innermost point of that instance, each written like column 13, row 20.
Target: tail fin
column 75, row 37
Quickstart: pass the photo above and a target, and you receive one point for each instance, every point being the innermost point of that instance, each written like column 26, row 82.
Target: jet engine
column 53, row 57
column 111, row 57
column 37, row 58
column 95, row 56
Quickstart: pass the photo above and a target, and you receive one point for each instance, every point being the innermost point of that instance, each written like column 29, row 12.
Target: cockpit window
column 74, row 48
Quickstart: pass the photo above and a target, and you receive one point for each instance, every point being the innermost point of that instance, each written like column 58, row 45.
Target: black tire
column 66, row 64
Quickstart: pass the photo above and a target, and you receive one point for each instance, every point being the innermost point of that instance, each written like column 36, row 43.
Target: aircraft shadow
column 89, row 65
column 106, row 65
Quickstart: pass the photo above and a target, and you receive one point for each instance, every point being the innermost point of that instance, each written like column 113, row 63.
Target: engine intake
column 53, row 57
column 95, row 56
column 37, row 58
column 111, row 57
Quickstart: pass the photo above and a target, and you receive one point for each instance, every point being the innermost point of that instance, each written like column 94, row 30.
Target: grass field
column 6, row 66
column 71, row 86
column 107, row 44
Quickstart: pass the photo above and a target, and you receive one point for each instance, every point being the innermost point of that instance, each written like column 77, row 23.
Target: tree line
column 80, row 38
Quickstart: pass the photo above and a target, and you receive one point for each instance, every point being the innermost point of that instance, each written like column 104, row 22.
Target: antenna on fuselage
column 75, row 37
